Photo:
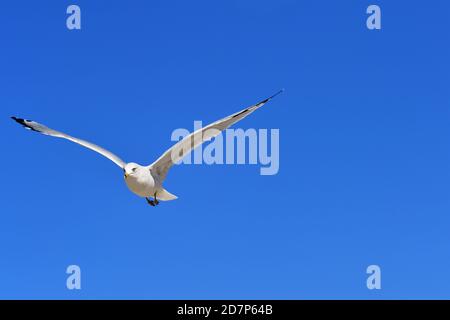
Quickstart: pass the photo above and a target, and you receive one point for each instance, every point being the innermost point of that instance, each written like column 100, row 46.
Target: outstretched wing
column 31, row 125
column 190, row 142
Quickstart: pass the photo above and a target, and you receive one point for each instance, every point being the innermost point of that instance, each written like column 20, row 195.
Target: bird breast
column 141, row 183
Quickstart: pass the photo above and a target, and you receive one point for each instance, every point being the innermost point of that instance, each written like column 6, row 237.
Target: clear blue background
column 364, row 160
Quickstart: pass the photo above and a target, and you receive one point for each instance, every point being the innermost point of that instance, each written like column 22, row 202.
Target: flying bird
column 146, row 181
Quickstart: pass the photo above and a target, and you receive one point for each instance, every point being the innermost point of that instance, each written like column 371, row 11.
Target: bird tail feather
column 165, row 195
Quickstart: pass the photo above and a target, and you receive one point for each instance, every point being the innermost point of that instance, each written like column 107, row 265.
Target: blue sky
column 364, row 149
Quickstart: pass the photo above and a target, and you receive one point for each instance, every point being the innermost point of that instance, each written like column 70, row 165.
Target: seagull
column 146, row 181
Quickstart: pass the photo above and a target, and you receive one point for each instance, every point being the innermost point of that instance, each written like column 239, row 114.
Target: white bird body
column 140, row 180
column 146, row 181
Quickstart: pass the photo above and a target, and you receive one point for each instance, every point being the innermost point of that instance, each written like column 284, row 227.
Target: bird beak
column 126, row 175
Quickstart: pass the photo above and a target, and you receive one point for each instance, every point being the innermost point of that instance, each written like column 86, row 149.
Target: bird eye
column 134, row 169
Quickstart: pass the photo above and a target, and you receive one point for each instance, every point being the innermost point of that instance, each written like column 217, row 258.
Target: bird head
column 131, row 169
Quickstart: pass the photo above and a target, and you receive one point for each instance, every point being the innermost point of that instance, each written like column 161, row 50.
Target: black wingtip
column 19, row 120
column 279, row 92
column 272, row 96
column 24, row 123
